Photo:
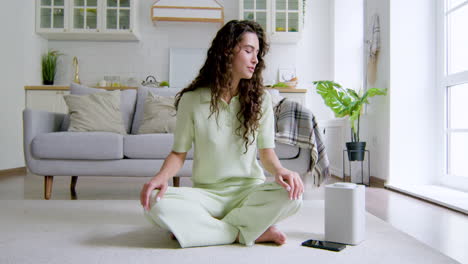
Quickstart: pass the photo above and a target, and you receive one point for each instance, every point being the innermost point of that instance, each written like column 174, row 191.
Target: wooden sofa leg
column 176, row 181
column 48, row 180
column 74, row 179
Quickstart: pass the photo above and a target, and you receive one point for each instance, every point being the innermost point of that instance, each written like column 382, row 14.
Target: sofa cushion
column 78, row 145
column 140, row 104
column 143, row 92
column 159, row 115
column 149, row 146
column 127, row 103
column 95, row 112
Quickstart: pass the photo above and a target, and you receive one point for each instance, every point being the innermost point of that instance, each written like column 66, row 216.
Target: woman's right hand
column 155, row 183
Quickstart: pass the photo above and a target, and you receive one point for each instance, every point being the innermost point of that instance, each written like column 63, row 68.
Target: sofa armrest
column 36, row 122
column 300, row 164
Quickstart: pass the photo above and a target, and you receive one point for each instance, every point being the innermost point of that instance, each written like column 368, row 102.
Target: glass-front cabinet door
column 50, row 16
column 256, row 10
column 118, row 15
column 85, row 16
column 281, row 19
column 286, row 15
column 87, row 19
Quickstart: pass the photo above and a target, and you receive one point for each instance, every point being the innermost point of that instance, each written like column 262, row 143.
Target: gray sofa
column 50, row 150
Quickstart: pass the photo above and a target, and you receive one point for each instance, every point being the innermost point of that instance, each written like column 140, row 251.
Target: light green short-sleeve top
column 219, row 153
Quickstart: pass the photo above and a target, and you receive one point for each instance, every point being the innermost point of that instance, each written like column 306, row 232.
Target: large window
column 455, row 83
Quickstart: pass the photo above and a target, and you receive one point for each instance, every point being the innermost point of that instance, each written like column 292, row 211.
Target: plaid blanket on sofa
column 296, row 126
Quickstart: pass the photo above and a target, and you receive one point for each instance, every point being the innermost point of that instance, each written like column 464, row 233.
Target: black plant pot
column 47, row 82
column 356, row 150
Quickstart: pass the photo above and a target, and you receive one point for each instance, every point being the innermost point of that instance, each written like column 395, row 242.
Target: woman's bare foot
column 272, row 234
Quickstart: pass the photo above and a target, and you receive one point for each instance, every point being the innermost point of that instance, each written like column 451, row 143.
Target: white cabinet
column 282, row 19
column 333, row 132
column 87, row 19
column 47, row 100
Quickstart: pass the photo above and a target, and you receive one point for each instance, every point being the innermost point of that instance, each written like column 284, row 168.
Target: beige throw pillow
column 95, row 112
column 159, row 115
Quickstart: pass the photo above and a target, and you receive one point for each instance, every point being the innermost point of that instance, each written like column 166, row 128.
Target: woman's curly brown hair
column 215, row 74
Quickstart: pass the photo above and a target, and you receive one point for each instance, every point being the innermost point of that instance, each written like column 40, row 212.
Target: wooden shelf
column 289, row 90
column 189, row 11
column 66, row 88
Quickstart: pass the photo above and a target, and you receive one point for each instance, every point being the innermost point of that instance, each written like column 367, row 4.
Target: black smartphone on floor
column 324, row 245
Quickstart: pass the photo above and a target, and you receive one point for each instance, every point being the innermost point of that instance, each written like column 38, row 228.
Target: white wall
column 401, row 128
column 347, row 66
column 33, row 48
column 376, row 122
column 415, row 147
column 20, row 53
column 348, row 43
column 312, row 57
column 150, row 55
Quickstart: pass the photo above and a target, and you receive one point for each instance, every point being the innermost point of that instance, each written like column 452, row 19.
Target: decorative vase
column 48, row 82
column 356, row 150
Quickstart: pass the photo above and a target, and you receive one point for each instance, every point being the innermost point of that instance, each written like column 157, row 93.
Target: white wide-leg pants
column 216, row 214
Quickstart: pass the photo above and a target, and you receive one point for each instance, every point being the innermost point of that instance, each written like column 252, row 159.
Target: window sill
column 445, row 196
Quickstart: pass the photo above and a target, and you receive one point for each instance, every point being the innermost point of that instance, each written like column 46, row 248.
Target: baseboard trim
column 377, row 182
column 374, row 181
column 14, row 171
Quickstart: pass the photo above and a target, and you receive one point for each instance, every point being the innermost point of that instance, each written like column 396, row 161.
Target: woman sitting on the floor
column 227, row 115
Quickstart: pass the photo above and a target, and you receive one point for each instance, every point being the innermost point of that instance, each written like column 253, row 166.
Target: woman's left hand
column 291, row 181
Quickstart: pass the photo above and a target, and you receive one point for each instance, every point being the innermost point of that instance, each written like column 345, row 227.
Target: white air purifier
column 345, row 213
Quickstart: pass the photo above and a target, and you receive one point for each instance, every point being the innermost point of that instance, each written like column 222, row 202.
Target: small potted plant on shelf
column 348, row 103
column 49, row 66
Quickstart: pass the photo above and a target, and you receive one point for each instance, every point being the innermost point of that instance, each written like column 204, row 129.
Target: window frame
column 446, row 80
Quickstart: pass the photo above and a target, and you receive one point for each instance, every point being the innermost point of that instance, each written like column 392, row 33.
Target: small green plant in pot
column 348, row 103
column 49, row 66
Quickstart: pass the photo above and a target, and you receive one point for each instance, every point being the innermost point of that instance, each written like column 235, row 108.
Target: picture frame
column 286, row 74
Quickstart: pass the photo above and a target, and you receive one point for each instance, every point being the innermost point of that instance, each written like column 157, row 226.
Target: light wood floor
column 442, row 229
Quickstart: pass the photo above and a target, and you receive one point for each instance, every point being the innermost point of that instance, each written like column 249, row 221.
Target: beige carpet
column 113, row 231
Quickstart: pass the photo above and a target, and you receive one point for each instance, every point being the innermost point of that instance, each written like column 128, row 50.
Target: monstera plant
column 348, row 103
